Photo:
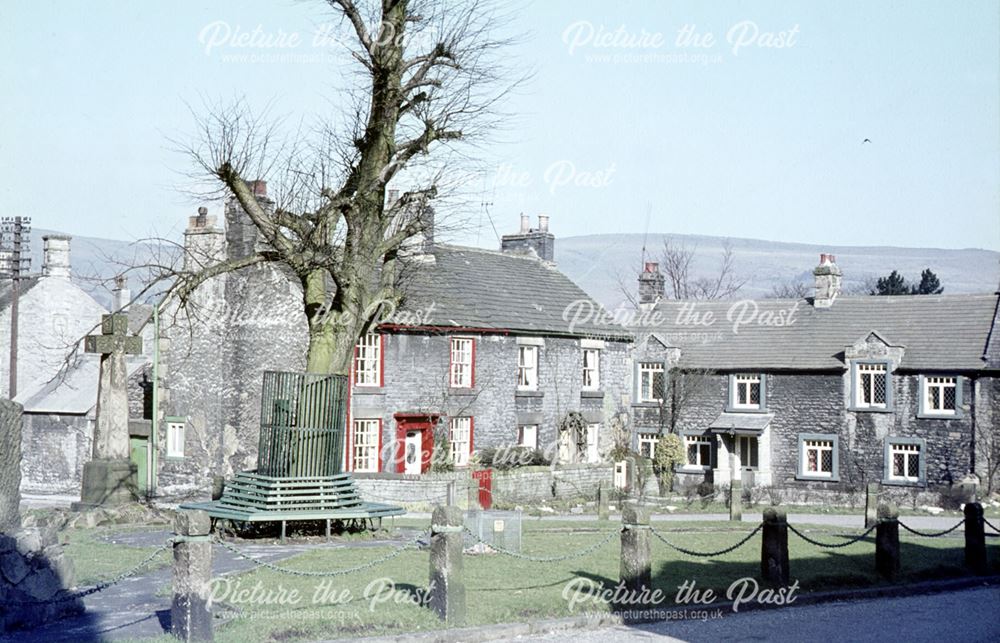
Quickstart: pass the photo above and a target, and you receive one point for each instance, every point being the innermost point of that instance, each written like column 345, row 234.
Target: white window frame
column 591, row 369
column 941, row 383
column 593, row 443
column 700, row 441
column 648, row 440
column 820, row 446
column 527, row 368
column 527, row 436
column 908, row 450
column 175, row 439
column 647, row 377
column 874, row 370
column 460, row 438
column 742, row 384
column 365, row 438
column 368, row 361
column 462, row 362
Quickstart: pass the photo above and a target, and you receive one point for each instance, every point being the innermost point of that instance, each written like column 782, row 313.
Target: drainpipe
column 153, row 442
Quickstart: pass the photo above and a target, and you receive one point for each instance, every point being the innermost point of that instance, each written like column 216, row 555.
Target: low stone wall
column 33, row 569
column 524, row 485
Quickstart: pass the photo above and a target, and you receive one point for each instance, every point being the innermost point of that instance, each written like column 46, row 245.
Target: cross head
column 114, row 337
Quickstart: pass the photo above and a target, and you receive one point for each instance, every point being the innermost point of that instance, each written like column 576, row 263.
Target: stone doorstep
column 591, row 621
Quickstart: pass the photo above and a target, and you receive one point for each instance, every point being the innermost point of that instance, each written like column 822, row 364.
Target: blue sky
column 744, row 141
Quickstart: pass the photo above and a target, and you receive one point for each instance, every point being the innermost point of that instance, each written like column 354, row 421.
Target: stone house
column 56, row 381
column 481, row 348
column 821, row 394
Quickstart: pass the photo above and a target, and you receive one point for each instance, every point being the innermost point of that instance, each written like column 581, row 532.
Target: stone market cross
column 107, row 478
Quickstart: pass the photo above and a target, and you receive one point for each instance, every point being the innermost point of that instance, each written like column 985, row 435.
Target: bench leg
column 282, row 531
column 328, row 529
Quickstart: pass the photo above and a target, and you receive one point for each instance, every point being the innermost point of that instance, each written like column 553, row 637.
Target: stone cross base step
column 106, row 482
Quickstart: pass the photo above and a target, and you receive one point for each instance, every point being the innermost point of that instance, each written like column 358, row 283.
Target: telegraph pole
column 17, row 229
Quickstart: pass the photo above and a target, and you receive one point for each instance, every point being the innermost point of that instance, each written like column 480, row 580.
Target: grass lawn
column 97, row 560
column 503, row 589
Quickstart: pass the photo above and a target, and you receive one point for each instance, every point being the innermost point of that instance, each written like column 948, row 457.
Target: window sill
column 870, row 409
column 904, row 483
column 457, row 390
column 528, row 393
column 368, row 390
column 803, row 478
column 738, row 409
column 174, row 458
column 646, row 405
column 940, row 416
column 688, row 468
column 597, row 395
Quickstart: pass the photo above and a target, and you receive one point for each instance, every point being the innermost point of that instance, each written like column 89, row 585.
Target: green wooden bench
column 300, row 451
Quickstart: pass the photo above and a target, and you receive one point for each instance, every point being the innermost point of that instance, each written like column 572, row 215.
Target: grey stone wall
column 523, row 486
column 816, row 403
column 416, row 380
column 56, row 448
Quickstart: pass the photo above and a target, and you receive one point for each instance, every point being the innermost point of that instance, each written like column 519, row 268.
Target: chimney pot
column 525, row 224
column 543, row 223
column 203, row 211
column 258, row 187
column 652, row 266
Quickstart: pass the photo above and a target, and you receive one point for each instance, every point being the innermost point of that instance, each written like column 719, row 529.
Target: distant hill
column 595, row 262
column 94, row 262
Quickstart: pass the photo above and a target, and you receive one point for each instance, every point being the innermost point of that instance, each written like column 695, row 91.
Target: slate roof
column 490, row 290
column 73, row 391
column 938, row 332
column 27, row 283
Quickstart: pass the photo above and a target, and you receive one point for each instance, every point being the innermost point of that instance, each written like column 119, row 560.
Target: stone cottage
column 821, row 394
column 482, row 349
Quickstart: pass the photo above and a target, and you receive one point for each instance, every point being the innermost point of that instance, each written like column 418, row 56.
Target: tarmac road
column 969, row 615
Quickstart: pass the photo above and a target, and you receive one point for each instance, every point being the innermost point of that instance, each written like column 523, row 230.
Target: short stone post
column 450, row 495
column 736, row 501
column 635, row 572
column 871, row 505
column 447, row 587
column 975, row 538
column 602, row 502
column 887, row 541
column 774, row 547
column 190, row 616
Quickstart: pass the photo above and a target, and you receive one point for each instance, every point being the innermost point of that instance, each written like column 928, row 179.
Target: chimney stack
column 204, row 243
column 541, row 242
column 242, row 236
column 651, row 283
column 122, row 296
column 828, row 278
column 55, row 262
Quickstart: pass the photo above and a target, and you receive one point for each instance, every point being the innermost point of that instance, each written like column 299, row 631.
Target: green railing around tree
column 301, row 424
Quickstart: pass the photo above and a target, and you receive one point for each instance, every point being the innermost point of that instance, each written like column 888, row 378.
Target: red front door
column 414, row 442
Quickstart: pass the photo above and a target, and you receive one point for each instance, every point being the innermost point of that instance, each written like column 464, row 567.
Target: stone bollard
column 635, row 572
column 447, row 588
column 774, row 547
column 975, row 538
column 887, row 541
column 736, row 501
column 190, row 616
column 602, row 502
column 871, row 505
column 451, row 495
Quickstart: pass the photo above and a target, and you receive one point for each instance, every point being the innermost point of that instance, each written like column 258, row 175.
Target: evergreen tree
column 894, row 284
column 929, row 284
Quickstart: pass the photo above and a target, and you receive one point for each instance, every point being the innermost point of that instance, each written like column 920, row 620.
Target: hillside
column 596, row 261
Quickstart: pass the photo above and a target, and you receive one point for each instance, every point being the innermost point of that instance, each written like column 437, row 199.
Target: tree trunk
column 10, row 465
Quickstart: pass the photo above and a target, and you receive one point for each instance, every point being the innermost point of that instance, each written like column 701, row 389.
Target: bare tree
column 988, row 450
column 681, row 282
column 792, row 289
column 430, row 74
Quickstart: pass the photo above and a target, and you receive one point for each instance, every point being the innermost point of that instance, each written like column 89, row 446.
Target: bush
column 510, row 457
column 669, row 452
